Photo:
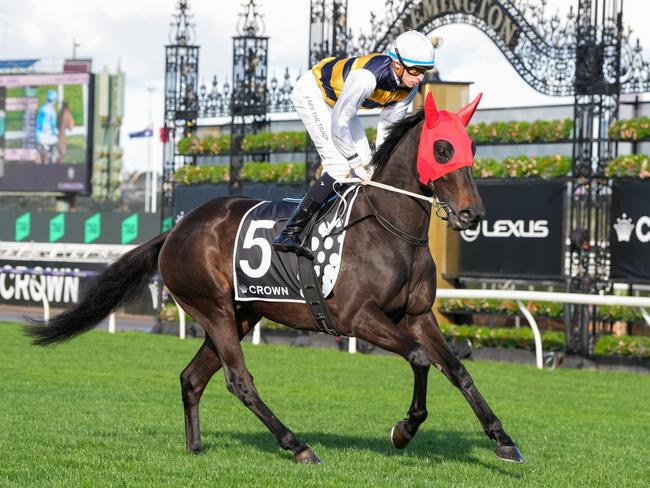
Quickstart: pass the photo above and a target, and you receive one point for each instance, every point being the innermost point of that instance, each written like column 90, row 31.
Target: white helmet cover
column 414, row 48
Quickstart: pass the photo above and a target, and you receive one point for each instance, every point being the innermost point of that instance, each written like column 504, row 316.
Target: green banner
column 23, row 226
column 57, row 227
column 92, row 228
column 166, row 224
column 130, row 229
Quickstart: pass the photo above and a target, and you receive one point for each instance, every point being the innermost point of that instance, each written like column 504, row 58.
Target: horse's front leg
column 404, row 430
column 372, row 325
column 424, row 329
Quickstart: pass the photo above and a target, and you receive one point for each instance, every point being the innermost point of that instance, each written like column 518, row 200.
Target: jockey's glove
column 364, row 173
column 360, row 166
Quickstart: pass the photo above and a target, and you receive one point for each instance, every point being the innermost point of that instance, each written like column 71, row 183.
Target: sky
column 131, row 34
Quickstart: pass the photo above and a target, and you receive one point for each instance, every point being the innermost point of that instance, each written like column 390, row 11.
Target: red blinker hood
column 449, row 126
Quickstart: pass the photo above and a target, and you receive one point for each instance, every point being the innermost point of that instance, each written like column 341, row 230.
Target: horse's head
column 445, row 157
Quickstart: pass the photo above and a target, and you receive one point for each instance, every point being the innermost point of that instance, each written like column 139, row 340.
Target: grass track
column 106, row 411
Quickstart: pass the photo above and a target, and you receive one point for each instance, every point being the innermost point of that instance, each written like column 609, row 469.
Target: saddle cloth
column 262, row 273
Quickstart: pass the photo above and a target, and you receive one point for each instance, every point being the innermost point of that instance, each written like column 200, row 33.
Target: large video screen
column 45, row 141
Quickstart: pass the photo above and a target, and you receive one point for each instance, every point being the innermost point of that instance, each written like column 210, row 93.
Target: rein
column 390, row 227
column 385, row 223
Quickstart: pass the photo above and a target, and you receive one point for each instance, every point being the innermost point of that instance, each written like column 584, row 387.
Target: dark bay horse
column 383, row 295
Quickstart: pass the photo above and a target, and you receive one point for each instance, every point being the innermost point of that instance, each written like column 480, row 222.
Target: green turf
column 105, row 411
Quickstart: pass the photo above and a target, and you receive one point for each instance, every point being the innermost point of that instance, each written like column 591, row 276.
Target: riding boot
column 289, row 239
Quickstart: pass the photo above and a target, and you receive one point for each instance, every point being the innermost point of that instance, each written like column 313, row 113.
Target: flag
column 164, row 134
column 148, row 132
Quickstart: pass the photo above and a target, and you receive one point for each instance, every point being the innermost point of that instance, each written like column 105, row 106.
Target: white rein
column 385, row 187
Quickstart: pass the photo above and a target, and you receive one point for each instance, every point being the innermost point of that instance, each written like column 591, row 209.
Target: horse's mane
column 395, row 134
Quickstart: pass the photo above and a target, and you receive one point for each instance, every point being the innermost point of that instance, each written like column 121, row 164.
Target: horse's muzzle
column 466, row 219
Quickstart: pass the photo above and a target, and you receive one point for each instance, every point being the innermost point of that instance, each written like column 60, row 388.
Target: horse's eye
column 443, row 151
column 473, row 149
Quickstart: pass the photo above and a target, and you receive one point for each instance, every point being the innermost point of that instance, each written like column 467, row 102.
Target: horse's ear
column 430, row 111
column 468, row 110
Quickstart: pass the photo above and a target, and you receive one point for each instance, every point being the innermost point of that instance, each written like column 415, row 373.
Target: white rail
column 543, row 296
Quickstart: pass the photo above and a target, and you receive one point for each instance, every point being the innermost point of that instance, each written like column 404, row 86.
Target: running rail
column 544, row 296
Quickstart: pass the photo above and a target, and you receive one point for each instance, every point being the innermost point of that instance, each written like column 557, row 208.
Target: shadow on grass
column 430, row 445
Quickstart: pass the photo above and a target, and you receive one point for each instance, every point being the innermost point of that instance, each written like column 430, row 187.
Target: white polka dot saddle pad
column 261, row 273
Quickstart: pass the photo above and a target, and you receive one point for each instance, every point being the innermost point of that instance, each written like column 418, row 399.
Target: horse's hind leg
column 218, row 320
column 425, row 330
column 194, row 379
column 197, row 374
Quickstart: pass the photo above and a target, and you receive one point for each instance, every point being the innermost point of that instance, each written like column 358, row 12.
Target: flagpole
column 150, row 187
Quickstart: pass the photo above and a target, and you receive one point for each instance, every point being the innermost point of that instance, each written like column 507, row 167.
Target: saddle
column 261, row 273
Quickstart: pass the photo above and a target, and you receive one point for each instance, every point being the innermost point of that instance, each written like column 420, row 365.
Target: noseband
column 439, row 204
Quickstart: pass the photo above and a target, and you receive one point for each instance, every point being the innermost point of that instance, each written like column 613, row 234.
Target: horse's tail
column 125, row 278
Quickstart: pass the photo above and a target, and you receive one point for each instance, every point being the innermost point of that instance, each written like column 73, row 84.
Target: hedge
column 211, row 145
column 286, row 141
column 630, row 129
column 251, row 171
column 613, row 313
column 513, row 132
column 631, row 346
column 521, row 166
column 510, row 132
column 545, row 167
column 630, row 165
column 516, row 132
column 506, row 338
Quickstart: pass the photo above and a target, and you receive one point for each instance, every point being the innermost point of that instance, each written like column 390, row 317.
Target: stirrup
column 294, row 247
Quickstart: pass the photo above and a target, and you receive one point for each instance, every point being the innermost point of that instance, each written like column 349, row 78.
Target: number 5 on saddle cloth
column 262, row 274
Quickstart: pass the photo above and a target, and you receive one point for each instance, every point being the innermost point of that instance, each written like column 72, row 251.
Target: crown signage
column 625, row 229
column 629, row 231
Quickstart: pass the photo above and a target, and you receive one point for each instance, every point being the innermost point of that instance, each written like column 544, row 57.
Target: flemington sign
column 492, row 13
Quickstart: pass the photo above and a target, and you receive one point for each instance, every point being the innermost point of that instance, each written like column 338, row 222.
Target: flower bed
column 611, row 313
column 630, row 129
column 629, row 346
column 523, row 166
column 629, row 165
column 506, row 338
column 517, row 132
column 512, row 132
column 251, row 171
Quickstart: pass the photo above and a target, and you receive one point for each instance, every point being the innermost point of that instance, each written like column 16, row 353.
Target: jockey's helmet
column 412, row 49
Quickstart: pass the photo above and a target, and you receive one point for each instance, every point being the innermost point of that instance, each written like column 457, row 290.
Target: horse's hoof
column 512, row 454
column 195, row 450
column 307, row 457
column 398, row 437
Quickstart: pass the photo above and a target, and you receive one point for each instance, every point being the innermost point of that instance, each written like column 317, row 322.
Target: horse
column 384, row 293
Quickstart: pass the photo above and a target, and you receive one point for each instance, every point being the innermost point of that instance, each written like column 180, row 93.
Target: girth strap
column 313, row 295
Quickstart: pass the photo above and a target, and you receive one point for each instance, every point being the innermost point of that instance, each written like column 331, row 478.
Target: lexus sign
column 521, row 236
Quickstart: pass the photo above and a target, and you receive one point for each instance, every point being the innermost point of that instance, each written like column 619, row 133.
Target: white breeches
column 316, row 114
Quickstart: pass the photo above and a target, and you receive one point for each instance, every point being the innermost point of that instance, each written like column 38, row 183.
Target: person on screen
column 65, row 121
column 46, row 130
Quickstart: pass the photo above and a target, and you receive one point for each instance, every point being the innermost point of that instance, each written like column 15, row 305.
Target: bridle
column 383, row 221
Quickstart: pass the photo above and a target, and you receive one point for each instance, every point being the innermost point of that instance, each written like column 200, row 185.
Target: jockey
column 328, row 97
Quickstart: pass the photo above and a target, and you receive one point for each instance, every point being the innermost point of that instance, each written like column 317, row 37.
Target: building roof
column 10, row 64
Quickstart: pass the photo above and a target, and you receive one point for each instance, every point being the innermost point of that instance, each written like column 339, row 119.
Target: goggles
column 411, row 70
